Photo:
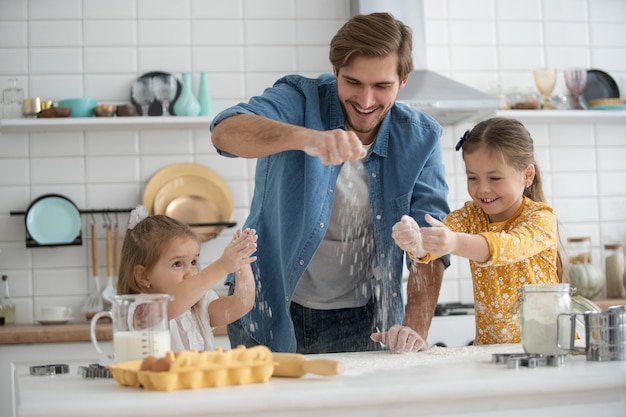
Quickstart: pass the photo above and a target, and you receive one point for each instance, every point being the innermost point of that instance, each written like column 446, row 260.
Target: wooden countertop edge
column 60, row 333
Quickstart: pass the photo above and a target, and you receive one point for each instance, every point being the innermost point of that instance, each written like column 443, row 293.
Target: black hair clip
column 462, row 140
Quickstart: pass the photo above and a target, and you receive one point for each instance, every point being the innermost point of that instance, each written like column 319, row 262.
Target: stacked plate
column 193, row 194
column 601, row 92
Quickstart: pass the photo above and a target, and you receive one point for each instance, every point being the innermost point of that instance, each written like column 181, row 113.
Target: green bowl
column 81, row 107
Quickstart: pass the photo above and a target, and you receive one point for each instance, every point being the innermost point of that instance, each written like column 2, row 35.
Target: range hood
column 447, row 100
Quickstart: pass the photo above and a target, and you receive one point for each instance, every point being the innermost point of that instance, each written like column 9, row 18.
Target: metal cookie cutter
column 529, row 360
column 55, row 369
column 94, row 370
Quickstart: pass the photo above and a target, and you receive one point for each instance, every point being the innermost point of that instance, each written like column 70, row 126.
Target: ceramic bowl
column 81, row 107
column 104, row 110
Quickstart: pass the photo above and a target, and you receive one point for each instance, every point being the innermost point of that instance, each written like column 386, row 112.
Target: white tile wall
column 93, row 48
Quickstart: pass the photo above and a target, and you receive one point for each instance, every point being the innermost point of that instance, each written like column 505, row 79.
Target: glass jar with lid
column 541, row 307
column 614, row 270
column 579, row 249
column 12, row 99
column 7, row 306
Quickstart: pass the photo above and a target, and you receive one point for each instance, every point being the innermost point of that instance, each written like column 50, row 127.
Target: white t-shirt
column 340, row 273
column 192, row 329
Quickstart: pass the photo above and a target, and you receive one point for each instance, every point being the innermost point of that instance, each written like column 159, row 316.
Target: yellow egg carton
column 193, row 369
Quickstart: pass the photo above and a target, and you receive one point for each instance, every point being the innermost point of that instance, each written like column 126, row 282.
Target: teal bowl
column 81, row 107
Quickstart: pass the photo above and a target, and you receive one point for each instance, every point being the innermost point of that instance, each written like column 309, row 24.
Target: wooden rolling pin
column 295, row 365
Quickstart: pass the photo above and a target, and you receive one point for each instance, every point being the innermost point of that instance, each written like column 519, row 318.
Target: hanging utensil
column 93, row 304
column 109, row 290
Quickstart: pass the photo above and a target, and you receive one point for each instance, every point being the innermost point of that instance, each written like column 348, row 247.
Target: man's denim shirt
column 293, row 196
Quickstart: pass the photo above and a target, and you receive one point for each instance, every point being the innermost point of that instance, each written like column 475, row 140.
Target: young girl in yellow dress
column 507, row 231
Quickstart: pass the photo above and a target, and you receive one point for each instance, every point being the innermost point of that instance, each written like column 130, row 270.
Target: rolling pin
column 295, row 365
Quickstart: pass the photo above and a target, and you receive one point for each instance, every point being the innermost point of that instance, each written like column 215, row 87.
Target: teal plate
column 53, row 220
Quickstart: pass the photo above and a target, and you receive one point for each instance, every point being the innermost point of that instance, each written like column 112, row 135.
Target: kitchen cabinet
column 442, row 381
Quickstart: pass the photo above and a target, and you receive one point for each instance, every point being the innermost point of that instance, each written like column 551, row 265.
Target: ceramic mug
column 55, row 313
column 140, row 326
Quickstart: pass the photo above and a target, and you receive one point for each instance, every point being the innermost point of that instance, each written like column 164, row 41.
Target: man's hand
column 335, row 146
column 406, row 234
column 400, row 339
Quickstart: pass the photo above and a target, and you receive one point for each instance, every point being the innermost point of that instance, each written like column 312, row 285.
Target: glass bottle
column 579, row 249
column 204, row 96
column 614, row 270
column 541, row 306
column 7, row 306
column 12, row 98
column 186, row 104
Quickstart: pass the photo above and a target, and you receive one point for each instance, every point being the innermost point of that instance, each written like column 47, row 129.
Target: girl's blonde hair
column 512, row 141
column 143, row 245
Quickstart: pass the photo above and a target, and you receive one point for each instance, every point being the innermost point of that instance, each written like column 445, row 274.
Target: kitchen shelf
column 570, row 116
column 103, row 123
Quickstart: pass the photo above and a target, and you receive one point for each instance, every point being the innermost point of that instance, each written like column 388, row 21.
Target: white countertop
column 442, row 381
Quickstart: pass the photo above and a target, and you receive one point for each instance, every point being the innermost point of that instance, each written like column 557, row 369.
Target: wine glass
column 165, row 91
column 545, row 80
column 576, row 80
column 143, row 94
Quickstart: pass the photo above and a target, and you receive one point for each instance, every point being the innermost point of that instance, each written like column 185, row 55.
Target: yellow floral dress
column 523, row 251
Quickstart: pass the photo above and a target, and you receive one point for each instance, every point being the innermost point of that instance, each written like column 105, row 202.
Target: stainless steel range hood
column 447, row 100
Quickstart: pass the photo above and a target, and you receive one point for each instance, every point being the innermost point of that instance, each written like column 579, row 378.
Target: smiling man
column 339, row 162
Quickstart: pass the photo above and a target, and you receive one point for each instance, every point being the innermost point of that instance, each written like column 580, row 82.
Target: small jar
column 614, row 270
column 12, row 98
column 541, row 306
column 579, row 249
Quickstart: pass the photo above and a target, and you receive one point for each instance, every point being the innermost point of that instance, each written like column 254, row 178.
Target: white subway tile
column 115, row 196
column 465, row 10
column 568, row 134
column 576, row 10
column 14, row 171
column 611, row 159
column 270, row 58
column 269, row 9
column 606, row 10
column 219, row 58
column 610, row 134
column 216, row 32
column 57, row 33
column 66, row 170
column 13, row 145
column 103, row 169
column 60, row 281
column 521, row 58
column 75, row 192
column 114, row 33
column 166, row 141
column 107, row 60
column 573, row 159
column 55, row 60
column 507, row 10
column 52, row 144
column 57, row 87
column 13, row 34
column 217, row 9
column 313, row 58
column 62, row 256
column 612, row 183
column 13, row 10
column 316, row 32
column 58, row 9
column 13, row 61
column 150, row 165
column 574, row 184
column 110, row 9
column 164, row 32
column 473, row 58
column 169, row 59
column 15, row 255
column 14, row 198
column 566, row 34
column 611, row 60
column 576, row 209
column 270, row 32
column 473, row 33
column 613, row 208
column 103, row 143
column 519, row 33
column 322, row 9
column 164, row 9
column 608, row 34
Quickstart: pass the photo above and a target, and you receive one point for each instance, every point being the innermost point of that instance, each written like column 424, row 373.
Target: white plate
column 46, row 322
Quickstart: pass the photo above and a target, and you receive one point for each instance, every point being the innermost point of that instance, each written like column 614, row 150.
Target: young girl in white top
column 160, row 255
column 506, row 231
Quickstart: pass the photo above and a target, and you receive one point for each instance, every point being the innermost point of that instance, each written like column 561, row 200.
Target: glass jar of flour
column 541, row 306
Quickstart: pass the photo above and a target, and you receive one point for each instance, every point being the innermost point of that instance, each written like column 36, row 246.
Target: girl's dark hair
column 510, row 139
column 373, row 35
column 143, row 245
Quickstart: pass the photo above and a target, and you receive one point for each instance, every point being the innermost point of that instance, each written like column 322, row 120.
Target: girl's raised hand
column 406, row 234
column 437, row 239
column 239, row 251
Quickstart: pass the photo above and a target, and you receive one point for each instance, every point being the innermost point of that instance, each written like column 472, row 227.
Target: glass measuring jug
column 140, row 326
